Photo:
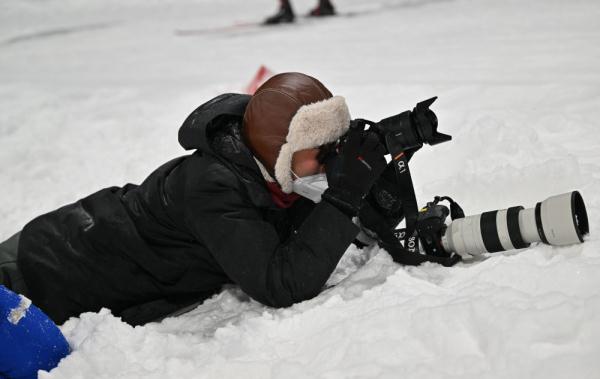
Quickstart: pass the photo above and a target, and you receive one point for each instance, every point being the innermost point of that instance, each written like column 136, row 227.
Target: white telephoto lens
column 559, row 220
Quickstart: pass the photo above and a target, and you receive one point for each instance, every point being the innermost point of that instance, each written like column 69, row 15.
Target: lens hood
column 563, row 219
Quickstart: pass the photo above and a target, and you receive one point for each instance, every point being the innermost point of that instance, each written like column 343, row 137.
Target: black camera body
column 409, row 130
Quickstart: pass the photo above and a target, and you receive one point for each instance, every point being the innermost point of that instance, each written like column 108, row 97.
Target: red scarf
column 281, row 199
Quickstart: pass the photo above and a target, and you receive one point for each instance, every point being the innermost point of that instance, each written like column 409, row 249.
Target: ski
column 244, row 27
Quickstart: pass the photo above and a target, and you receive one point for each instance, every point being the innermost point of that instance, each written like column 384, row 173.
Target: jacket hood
column 199, row 128
column 214, row 129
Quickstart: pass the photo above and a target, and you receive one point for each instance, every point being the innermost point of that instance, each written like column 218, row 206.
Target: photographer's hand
column 385, row 196
column 351, row 174
column 381, row 211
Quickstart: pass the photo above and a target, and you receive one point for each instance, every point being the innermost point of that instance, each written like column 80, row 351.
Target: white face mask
column 310, row 187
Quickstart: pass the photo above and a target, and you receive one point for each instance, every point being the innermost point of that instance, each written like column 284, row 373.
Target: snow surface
column 92, row 94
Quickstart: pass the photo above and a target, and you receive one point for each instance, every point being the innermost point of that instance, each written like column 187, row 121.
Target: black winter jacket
column 196, row 223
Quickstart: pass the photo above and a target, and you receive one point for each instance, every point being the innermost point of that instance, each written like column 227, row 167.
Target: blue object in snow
column 29, row 340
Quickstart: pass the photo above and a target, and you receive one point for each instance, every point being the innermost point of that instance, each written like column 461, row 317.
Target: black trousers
column 10, row 275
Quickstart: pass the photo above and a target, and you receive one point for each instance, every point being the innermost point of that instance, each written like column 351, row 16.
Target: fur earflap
column 313, row 125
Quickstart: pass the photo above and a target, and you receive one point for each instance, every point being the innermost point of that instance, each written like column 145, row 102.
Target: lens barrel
column 559, row 220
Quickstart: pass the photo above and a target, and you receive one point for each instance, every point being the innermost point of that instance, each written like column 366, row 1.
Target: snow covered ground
column 92, row 94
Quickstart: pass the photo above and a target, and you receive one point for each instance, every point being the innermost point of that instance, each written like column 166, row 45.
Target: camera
column 559, row 220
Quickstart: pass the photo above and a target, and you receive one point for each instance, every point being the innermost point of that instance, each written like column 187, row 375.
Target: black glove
column 375, row 225
column 384, row 196
column 382, row 209
column 351, row 174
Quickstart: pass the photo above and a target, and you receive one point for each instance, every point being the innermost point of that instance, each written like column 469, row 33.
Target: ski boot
column 324, row 8
column 284, row 15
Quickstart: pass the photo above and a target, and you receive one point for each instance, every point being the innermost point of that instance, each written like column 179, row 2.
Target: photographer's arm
column 276, row 273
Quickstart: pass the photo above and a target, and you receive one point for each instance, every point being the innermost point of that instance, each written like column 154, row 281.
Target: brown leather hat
column 269, row 114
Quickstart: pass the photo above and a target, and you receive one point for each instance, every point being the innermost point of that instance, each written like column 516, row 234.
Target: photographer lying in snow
column 224, row 214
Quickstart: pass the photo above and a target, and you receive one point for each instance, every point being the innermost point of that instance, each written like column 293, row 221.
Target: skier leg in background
column 324, row 8
column 29, row 340
column 285, row 14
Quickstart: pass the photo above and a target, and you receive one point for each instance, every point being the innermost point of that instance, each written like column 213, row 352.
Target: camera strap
column 409, row 252
column 400, row 157
column 408, row 199
column 455, row 209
